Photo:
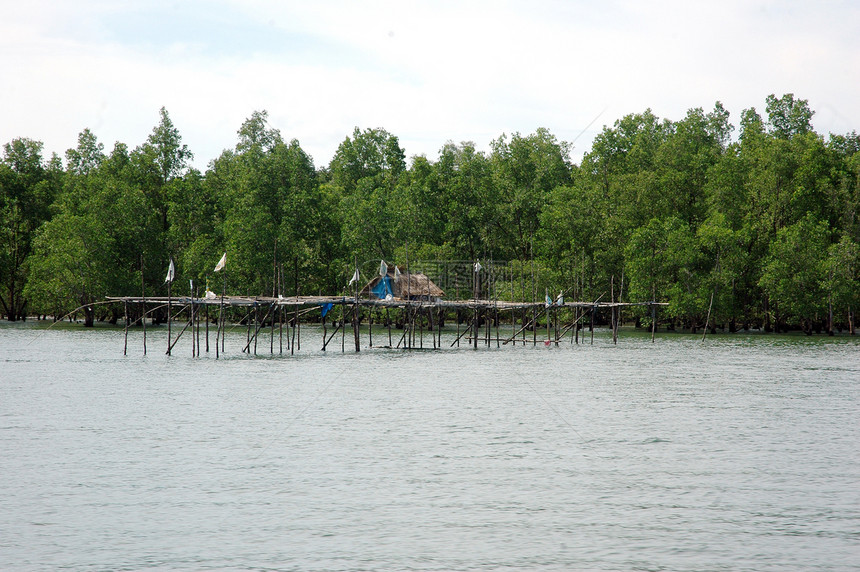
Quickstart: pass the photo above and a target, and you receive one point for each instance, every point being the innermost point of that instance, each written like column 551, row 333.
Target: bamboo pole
column 125, row 344
column 169, row 282
column 207, row 328
column 653, row 321
column 388, row 321
column 295, row 324
column 143, row 303
column 257, row 326
column 325, row 332
column 708, row 318
column 170, row 348
column 592, row 324
column 326, row 341
column 198, row 320
column 193, row 346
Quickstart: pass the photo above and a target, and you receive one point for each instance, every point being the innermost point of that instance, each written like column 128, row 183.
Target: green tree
column 88, row 155
column 524, row 172
column 794, row 270
column 91, row 248
column 27, row 189
column 365, row 173
column 841, row 276
column 663, row 262
column 162, row 159
column 464, row 179
column 788, row 117
column 684, row 162
column 270, row 212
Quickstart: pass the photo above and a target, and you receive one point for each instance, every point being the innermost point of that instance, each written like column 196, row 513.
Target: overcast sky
column 428, row 72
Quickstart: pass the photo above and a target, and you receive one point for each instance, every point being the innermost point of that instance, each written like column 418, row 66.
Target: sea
column 736, row 452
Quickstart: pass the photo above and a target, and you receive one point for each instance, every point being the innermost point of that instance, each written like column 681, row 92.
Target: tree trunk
column 89, row 316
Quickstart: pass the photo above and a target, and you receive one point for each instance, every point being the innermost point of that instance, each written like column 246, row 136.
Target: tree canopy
column 761, row 228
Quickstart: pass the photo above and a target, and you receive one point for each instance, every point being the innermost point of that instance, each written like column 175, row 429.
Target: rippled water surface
column 739, row 453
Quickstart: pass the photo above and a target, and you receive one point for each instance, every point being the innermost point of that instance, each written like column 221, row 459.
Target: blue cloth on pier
column 382, row 288
column 326, row 308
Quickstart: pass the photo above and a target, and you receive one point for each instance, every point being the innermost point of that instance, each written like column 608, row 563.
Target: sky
column 427, row 72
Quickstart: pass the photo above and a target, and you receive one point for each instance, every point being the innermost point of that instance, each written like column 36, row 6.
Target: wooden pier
column 479, row 322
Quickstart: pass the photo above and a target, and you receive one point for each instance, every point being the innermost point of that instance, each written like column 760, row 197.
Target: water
column 737, row 454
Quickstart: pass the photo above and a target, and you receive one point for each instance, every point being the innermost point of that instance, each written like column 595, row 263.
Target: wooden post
column 295, row 325
column 524, row 315
column 355, row 312
column 355, row 326
column 143, row 303
column 325, row 331
column 612, row 308
column 125, row 311
column 256, row 325
column 193, row 346
column 207, row 328
column 708, row 318
column 197, row 314
column 169, row 282
column 476, row 318
column 219, row 337
column 430, row 328
column 548, row 317
column 475, row 321
column 441, row 323
column 653, row 321
column 592, row 324
column 248, row 332
column 388, row 320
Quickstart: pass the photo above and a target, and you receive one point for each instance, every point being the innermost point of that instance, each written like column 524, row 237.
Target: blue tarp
column 383, row 288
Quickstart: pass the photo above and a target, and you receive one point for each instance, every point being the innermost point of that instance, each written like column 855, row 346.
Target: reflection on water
column 739, row 453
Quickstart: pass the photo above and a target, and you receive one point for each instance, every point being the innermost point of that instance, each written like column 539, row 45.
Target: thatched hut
column 397, row 284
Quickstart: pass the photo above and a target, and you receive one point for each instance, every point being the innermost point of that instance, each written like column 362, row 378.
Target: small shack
column 397, row 284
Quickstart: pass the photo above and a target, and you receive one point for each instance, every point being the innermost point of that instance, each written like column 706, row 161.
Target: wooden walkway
column 479, row 316
column 310, row 301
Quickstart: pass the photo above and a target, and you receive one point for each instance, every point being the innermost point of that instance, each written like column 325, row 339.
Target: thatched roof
column 405, row 286
column 416, row 285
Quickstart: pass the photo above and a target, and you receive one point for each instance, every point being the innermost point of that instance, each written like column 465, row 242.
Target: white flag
column 383, row 268
column 396, row 274
column 354, row 278
column 560, row 300
column 171, row 272
column 548, row 301
column 478, row 267
column 221, row 263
